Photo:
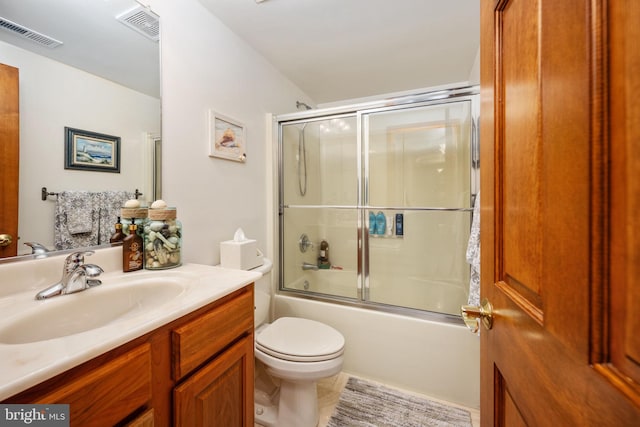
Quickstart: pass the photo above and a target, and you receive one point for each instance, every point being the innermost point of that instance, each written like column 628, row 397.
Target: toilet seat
column 300, row 340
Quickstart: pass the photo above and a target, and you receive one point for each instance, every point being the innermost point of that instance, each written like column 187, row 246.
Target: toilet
column 292, row 354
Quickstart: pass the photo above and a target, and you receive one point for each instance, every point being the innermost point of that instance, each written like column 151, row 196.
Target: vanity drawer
column 200, row 339
column 109, row 393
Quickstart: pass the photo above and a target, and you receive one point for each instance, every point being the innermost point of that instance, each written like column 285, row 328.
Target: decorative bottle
column 117, row 235
column 132, row 253
column 323, row 259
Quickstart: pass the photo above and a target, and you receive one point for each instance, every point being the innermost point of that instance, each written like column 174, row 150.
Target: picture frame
column 227, row 138
column 91, row 151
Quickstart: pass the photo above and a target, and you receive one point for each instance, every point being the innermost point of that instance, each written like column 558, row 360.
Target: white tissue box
column 242, row 255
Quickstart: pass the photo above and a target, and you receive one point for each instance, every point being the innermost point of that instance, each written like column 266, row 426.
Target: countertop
column 27, row 364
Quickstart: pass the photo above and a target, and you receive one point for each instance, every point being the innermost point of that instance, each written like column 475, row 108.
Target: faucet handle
column 75, row 259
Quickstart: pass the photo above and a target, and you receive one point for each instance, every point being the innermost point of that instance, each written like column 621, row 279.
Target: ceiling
column 331, row 49
column 345, row 49
column 93, row 40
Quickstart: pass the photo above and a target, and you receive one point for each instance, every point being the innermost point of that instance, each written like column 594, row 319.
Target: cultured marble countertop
column 27, row 364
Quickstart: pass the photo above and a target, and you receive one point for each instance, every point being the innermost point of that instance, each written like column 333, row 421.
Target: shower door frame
column 360, row 111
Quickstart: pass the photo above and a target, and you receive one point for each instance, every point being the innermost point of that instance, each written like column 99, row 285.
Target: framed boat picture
column 91, row 151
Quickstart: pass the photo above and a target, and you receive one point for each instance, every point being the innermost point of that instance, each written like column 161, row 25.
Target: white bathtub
column 440, row 296
column 441, row 360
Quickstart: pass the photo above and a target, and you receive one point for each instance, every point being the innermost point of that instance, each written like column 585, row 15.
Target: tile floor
column 329, row 391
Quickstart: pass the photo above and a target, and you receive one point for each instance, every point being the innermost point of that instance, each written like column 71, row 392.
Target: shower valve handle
column 304, row 243
column 471, row 314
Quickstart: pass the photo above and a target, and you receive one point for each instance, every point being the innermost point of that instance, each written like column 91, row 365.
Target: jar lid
column 133, row 212
column 161, row 214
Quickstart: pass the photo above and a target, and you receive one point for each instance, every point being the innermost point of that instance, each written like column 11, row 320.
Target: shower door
column 418, row 176
column 319, row 175
column 389, row 192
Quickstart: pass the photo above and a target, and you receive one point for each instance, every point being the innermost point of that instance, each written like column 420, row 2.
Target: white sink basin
column 71, row 314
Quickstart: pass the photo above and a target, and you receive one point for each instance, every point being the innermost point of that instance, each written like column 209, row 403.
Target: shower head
column 303, row 105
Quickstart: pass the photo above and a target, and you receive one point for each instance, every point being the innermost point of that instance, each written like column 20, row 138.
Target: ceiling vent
column 143, row 21
column 25, row 32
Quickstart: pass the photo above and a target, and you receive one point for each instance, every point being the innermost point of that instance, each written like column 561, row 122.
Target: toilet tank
column 262, row 293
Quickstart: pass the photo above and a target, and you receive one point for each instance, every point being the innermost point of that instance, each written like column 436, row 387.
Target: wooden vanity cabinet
column 220, row 391
column 196, row 370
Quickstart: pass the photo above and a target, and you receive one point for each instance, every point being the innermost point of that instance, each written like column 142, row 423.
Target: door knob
column 5, row 239
column 471, row 314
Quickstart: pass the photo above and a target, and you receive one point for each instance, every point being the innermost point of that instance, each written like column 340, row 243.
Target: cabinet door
column 221, row 392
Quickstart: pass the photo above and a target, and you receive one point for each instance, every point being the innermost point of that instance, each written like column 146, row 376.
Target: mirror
column 103, row 78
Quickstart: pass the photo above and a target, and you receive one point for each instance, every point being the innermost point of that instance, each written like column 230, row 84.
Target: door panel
column 520, row 144
column 559, row 247
column 625, row 196
column 511, row 415
column 9, row 155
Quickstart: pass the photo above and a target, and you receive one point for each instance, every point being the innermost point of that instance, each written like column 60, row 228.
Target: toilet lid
column 297, row 339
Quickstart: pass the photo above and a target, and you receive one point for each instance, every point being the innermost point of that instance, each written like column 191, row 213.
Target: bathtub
column 440, row 296
column 438, row 359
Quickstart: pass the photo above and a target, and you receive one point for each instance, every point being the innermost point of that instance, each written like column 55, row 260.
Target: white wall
column 474, row 74
column 205, row 65
column 52, row 96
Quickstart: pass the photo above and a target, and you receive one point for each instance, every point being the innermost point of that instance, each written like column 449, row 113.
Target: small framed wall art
column 227, row 138
column 91, row 151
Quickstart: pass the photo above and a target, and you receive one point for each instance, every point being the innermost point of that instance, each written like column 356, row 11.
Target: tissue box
column 242, row 255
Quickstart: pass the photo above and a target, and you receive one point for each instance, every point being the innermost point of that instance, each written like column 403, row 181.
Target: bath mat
column 364, row 404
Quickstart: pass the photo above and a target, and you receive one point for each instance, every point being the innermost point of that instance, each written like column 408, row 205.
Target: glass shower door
column 319, row 194
column 417, row 207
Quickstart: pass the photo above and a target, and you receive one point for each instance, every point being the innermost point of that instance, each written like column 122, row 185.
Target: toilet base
column 296, row 405
column 266, row 415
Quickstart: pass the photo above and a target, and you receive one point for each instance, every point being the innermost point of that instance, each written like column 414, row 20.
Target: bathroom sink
column 66, row 315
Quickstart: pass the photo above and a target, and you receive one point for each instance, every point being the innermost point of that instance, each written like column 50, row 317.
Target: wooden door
column 560, row 133
column 220, row 394
column 9, row 155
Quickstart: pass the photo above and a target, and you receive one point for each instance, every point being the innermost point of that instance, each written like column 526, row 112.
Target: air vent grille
column 27, row 33
column 143, row 21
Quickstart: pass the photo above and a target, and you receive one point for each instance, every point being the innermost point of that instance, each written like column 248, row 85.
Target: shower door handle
column 472, row 313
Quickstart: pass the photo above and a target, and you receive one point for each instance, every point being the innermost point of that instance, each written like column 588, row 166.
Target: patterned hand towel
column 77, row 206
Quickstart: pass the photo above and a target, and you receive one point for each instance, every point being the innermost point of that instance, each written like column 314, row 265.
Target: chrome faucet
column 76, row 276
column 37, row 249
column 309, row 266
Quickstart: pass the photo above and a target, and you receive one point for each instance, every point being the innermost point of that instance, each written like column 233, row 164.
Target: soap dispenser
column 132, row 253
column 118, row 235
